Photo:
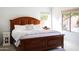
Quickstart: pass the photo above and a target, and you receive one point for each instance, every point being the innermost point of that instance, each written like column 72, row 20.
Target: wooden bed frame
column 35, row 44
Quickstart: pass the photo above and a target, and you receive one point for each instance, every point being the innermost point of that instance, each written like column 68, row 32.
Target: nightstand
column 6, row 38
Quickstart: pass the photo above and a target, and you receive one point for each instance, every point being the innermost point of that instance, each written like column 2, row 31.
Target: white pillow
column 20, row 27
column 37, row 27
column 29, row 27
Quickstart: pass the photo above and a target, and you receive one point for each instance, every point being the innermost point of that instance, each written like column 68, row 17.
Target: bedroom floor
column 7, row 48
column 70, row 46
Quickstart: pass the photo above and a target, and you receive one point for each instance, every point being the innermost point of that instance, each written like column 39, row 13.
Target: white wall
column 57, row 17
column 8, row 13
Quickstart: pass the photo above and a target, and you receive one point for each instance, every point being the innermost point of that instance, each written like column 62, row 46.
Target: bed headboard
column 23, row 21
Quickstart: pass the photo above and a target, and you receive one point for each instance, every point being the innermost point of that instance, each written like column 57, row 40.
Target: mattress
column 40, row 35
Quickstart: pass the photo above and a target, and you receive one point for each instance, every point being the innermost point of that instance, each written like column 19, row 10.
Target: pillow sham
column 29, row 27
column 20, row 27
column 37, row 27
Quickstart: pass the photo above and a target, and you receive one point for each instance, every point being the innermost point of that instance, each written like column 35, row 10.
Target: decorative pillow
column 20, row 27
column 37, row 27
column 29, row 27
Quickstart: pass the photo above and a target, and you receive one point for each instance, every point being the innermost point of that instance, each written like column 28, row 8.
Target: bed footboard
column 41, row 43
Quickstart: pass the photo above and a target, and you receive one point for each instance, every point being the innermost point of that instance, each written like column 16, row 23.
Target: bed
column 37, row 43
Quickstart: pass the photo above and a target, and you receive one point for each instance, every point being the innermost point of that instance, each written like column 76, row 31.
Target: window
column 70, row 20
column 66, row 21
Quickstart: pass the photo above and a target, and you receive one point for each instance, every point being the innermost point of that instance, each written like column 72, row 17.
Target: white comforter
column 18, row 34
